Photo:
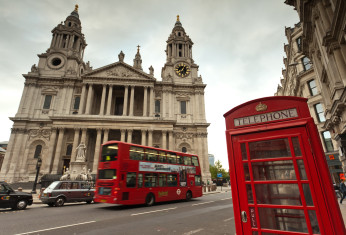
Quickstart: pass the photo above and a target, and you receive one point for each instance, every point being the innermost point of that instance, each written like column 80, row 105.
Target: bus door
column 275, row 178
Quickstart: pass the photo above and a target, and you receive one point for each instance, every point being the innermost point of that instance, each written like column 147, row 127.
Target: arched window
column 38, row 151
column 69, row 150
column 183, row 149
column 157, row 106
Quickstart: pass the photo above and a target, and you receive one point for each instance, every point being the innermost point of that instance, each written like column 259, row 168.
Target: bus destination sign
column 266, row 117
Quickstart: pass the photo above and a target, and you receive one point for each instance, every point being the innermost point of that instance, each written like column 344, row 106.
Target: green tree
column 217, row 168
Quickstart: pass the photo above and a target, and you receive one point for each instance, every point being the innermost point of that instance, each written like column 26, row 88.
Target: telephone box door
column 274, row 173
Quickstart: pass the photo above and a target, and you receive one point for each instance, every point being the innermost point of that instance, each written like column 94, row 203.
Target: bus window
column 140, row 181
column 150, row 180
column 187, row 161
column 171, row 158
column 107, row 174
column 162, row 157
column 180, row 160
column 162, row 180
column 131, row 180
column 172, row 180
column 136, row 153
column 195, row 161
column 109, row 153
column 197, row 180
column 152, row 155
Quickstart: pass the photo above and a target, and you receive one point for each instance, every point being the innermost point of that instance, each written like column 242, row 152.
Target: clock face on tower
column 182, row 70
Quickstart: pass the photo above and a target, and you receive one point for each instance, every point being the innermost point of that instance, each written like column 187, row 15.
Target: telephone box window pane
column 278, row 194
column 252, row 218
column 307, row 194
column 243, row 151
column 246, row 171
column 270, row 149
column 277, row 170
column 296, row 147
column 302, row 171
column 314, row 222
column 249, row 193
column 283, row 219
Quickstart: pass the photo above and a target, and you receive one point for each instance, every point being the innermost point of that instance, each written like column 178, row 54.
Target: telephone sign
column 279, row 174
column 219, row 175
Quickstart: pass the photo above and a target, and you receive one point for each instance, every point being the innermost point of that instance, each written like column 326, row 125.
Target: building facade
column 65, row 102
column 300, row 79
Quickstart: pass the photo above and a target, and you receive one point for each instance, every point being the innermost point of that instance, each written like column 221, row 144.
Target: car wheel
column 51, row 204
column 188, row 196
column 89, row 201
column 20, row 205
column 59, row 201
column 150, row 200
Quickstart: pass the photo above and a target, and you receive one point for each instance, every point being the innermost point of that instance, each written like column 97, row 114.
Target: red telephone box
column 279, row 175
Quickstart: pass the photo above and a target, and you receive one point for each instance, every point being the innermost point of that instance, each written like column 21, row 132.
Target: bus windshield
column 109, row 153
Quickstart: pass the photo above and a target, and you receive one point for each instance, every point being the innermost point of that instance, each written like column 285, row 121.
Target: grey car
column 59, row 192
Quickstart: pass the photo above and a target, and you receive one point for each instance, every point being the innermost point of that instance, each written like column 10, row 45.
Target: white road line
column 202, row 203
column 65, row 226
column 154, row 211
column 193, row 231
column 228, row 219
column 226, row 198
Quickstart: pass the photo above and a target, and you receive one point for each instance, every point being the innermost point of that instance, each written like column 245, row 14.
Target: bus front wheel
column 150, row 200
column 188, row 196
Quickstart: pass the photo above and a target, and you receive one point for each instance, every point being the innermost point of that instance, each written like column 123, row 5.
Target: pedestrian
column 343, row 190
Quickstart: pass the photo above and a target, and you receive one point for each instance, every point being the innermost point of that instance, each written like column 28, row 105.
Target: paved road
column 211, row 214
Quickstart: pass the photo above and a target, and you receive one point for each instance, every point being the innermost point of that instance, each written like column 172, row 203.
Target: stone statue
column 121, row 56
column 66, row 175
column 151, row 69
column 34, row 68
column 81, row 152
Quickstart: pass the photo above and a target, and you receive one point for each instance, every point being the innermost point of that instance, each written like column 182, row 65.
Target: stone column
column 109, row 102
column 57, row 156
column 145, row 101
column 69, row 99
column 126, row 95
column 132, row 100
column 202, row 107
column 83, row 138
column 8, row 155
column 151, row 102
column 123, row 132
column 103, row 98
column 129, row 136
column 163, row 104
column 82, row 100
column 144, row 137
column 150, row 138
column 22, row 100
column 75, row 144
column 164, row 139
column 171, row 141
column 97, row 151
column 15, row 160
column 46, row 165
column 89, row 99
column 341, row 65
column 33, row 100
column 105, row 135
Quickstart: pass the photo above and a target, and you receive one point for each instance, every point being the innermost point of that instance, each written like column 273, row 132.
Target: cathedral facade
column 66, row 102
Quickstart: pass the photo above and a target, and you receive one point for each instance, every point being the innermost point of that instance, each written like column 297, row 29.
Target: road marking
column 228, row 219
column 226, row 198
column 65, row 226
column 154, row 211
column 194, row 231
column 202, row 203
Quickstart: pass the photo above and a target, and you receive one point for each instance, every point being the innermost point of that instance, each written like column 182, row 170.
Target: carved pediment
column 118, row 70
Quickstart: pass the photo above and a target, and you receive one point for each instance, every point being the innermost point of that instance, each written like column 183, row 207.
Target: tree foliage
column 217, row 168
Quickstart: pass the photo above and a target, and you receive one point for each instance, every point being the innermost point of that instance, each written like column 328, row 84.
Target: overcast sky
column 238, row 45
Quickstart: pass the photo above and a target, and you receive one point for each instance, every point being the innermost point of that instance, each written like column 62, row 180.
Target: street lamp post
column 38, row 166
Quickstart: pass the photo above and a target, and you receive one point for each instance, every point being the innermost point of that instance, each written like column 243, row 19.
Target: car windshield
column 52, row 185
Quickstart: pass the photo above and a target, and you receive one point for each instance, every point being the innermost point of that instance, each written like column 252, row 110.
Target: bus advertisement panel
column 134, row 174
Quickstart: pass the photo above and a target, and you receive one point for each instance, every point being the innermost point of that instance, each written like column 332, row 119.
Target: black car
column 11, row 199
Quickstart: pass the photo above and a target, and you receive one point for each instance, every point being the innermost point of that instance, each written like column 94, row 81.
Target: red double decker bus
column 133, row 174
